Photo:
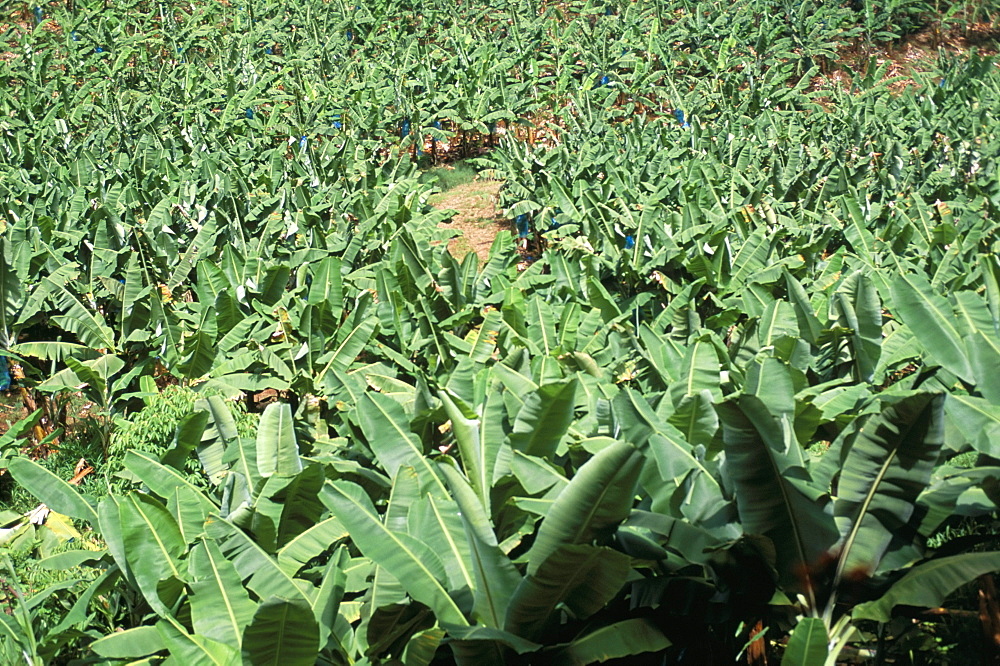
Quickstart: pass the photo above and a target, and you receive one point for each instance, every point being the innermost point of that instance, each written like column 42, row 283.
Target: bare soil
column 11, row 410
column 913, row 55
column 477, row 219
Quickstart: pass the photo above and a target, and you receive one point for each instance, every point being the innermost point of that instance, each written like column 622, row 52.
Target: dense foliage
column 722, row 410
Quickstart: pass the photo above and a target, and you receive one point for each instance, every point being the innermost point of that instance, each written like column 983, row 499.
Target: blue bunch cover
column 4, row 374
column 521, row 222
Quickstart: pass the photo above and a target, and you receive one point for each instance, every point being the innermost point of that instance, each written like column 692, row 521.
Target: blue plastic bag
column 4, row 374
column 521, row 222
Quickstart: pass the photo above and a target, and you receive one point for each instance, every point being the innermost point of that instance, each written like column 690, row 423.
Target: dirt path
column 477, row 217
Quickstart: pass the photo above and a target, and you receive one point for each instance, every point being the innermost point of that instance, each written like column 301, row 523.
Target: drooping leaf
column 887, row 467
column 277, row 449
column 408, row 559
column 56, row 493
column 596, row 500
column 220, row 606
column 926, row 585
column 283, row 632
column 544, row 419
column 807, row 645
column 615, row 641
column 582, row 577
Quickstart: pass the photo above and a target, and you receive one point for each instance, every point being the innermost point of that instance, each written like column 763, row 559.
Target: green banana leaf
column 387, row 431
column 309, row 544
column 543, row 420
column 807, row 646
column 130, row 643
column 261, row 572
column 277, row 450
column 596, row 500
column 486, row 646
column 283, row 632
column 927, row 584
column 195, row 649
column 888, row 466
column 496, row 577
column 417, row 568
column 478, row 457
column 154, row 547
column 616, row 641
column 163, row 480
column 580, row 577
column 56, row 493
column 220, row 606
column 932, row 320
column 761, row 469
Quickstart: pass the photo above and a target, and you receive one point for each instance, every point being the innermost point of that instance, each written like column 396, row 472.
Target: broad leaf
column 277, row 450
column 769, row 503
column 57, row 494
column 933, row 322
column 387, row 430
column 926, row 585
column 260, row 571
column 163, row 480
column 153, row 546
column 581, row 577
column 283, row 633
column 807, row 645
column 544, row 419
column 129, row 644
column 220, row 606
column 496, row 577
column 408, row 559
column 596, row 500
column 887, row 467
column 310, row 544
column 615, row 641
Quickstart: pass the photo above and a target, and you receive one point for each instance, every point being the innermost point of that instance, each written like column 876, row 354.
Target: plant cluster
column 740, row 402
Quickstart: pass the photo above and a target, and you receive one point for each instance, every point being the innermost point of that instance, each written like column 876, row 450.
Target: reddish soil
column 477, row 217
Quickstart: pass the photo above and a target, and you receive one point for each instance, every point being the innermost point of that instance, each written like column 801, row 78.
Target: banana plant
column 230, row 561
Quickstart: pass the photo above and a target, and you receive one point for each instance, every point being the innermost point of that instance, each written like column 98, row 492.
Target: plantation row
column 745, row 401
